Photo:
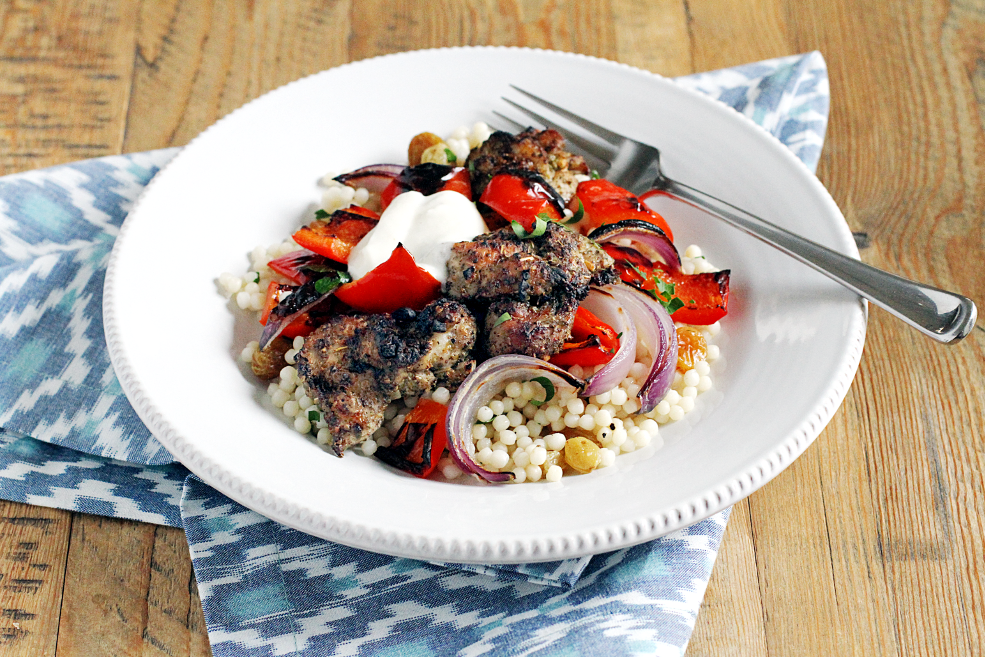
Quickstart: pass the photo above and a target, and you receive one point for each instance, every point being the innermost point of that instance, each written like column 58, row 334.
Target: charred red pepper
column 335, row 238
column 428, row 178
column 298, row 266
column 607, row 203
column 273, row 298
column 522, row 196
column 421, row 441
column 705, row 296
column 593, row 342
column 396, row 283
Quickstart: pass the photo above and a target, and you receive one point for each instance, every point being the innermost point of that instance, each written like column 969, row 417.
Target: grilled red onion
column 646, row 238
column 302, row 299
column 374, row 178
column 658, row 334
column 603, row 305
column 479, row 388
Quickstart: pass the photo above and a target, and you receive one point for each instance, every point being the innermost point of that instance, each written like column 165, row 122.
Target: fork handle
column 944, row 316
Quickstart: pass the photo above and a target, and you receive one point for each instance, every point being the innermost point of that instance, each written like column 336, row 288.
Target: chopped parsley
column 321, row 214
column 450, row 155
column 505, row 317
column 664, row 294
column 662, row 291
column 313, row 416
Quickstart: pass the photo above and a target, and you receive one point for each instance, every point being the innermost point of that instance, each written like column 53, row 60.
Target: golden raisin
column 419, row 144
column 553, row 458
column 691, row 347
column 582, row 454
column 268, row 362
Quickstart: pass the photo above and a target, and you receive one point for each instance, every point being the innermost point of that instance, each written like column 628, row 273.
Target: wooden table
column 871, row 543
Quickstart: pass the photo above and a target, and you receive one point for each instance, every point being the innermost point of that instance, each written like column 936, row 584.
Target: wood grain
column 872, row 543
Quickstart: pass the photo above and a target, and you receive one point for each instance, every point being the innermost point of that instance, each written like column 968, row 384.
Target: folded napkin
column 69, row 439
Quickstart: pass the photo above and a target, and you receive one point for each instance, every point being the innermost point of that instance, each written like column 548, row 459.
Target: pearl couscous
column 520, row 430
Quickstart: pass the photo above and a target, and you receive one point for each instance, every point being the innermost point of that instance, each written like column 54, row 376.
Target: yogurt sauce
column 427, row 226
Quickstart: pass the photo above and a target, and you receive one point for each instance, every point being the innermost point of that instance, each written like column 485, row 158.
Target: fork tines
column 594, row 140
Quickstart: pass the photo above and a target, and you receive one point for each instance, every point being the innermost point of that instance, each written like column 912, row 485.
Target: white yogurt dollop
column 427, row 226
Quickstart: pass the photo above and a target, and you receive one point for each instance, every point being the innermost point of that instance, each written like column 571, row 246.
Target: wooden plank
column 908, row 173
column 129, row 591
column 726, row 33
column 654, row 36
column 386, row 26
column 175, row 621
column 731, row 620
column 65, row 71
column 198, row 61
column 107, row 574
column 33, row 549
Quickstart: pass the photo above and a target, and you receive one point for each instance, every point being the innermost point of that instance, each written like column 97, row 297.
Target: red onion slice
column 603, row 305
column 642, row 234
column 658, row 334
column 479, row 388
column 374, row 178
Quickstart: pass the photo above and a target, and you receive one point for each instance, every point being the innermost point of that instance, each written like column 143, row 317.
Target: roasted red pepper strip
column 460, row 182
column 335, row 238
column 273, row 298
column 607, row 203
column 520, row 199
column 705, row 296
column 593, row 342
column 421, row 440
column 396, row 283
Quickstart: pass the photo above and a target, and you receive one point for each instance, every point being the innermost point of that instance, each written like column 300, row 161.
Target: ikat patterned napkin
column 69, row 439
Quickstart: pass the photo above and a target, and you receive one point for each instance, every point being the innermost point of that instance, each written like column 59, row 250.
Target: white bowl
column 791, row 344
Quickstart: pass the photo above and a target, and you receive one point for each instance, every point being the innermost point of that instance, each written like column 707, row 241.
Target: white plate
column 792, row 339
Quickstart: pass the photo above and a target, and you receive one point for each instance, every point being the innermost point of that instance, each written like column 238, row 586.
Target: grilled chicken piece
column 534, row 330
column 542, row 151
column 501, row 264
column 539, row 282
column 354, row 365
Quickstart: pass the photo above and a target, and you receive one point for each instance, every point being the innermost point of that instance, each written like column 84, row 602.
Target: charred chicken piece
column 354, row 365
column 537, row 283
column 518, row 327
column 542, row 151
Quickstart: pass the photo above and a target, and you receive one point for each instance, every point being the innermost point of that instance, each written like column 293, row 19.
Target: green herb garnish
column 313, row 416
column 548, row 388
column 321, row 214
column 331, row 282
column 595, row 174
column 257, row 279
column 663, row 292
column 505, row 317
column 450, row 155
column 540, row 227
column 577, row 216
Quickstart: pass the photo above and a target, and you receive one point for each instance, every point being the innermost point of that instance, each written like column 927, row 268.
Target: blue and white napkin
column 69, row 439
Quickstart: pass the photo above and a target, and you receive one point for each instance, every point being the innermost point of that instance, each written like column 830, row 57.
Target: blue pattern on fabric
column 271, row 590
column 57, row 228
column 35, row 472
column 69, row 439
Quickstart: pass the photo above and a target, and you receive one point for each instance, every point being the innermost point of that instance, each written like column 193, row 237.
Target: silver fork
column 944, row 316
